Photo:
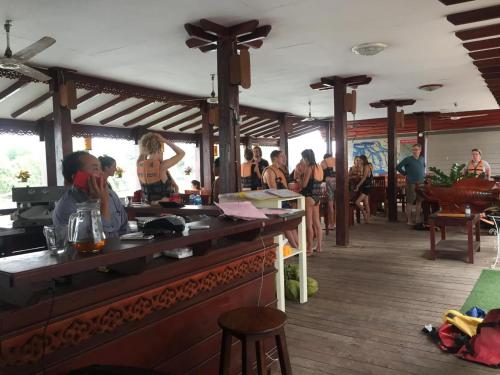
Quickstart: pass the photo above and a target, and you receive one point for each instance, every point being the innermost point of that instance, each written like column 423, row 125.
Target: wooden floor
column 374, row 298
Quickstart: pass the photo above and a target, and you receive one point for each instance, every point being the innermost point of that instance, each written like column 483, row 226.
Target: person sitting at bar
column 274, row 178
column 108, row 167
column 113, row 214
column 478, row 167
column 250, row 173
column 413, row 167
column 216, row 184
column 196, row 185
column 152, row 170
column 262, row 163
column 328, row 165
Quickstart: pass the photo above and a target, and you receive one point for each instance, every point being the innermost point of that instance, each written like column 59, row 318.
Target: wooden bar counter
column 163, row 316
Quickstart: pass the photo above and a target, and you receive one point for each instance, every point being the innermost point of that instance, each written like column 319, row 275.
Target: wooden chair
column 378, row 194
column 401, row 191
column 252, row 325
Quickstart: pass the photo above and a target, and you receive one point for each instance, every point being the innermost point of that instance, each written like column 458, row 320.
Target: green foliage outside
column 439, row 178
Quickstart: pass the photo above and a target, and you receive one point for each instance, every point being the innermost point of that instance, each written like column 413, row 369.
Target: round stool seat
column 252, row 320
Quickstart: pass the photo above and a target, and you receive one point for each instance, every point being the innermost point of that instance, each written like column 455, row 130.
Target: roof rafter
column 33, row 104
column 126, row 111
column 101, row 108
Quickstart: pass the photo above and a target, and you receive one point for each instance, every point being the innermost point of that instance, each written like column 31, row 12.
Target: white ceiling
column 143, row 42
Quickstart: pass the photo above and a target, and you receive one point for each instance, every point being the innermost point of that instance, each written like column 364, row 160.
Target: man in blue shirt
column 113, row 214
column 413, row 167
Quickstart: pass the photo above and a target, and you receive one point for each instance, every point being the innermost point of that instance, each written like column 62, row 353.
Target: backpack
column 484, row 347
column 466, row 324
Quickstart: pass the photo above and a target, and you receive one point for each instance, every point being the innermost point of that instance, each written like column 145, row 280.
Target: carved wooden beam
column 475, row 15
column 191, row 126
column 126, row 111
column 12, row 89
column 327, row 83
column 101, row 108
column 181, row 121
column 482, row 44
column 167, row 117
column 257, row 126
column 479, row 32
column 147, row 114
column 33, row 104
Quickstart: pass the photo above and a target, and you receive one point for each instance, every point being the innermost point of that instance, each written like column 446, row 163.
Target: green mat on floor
column 486, row 292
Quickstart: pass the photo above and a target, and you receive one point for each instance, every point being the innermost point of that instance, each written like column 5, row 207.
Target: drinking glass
column 55, row 238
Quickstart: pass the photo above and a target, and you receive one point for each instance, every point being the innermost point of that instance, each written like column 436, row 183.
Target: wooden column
column 206, row 149
column 392, row 184
column 329, row 137
column 58, row 133
column 284, row 128
column 392, row 159
column 342, row 198
column 233, row 69
column 423, row 124
column 228, row 108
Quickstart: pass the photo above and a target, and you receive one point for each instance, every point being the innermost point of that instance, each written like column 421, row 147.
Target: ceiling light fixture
column 430, row 87
column 368, row 49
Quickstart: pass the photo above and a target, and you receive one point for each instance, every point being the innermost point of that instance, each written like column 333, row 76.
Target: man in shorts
column 413, row 167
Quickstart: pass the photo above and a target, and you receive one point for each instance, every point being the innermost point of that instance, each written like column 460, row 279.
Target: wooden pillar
column 342, row 180
column 423, row 124
column 392, row 107
column 284, row 128
column 392, row 161
column 228, row 112
column 206, row 149
column 342, row 198
column 329, row 137
column 58, row 134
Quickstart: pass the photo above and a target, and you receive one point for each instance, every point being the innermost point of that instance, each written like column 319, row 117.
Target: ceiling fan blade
column 34, row 49
column 254, row 44
column 33, row 73
column 196, row 43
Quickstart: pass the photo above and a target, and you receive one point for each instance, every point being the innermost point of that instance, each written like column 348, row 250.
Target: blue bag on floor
column 476, row 312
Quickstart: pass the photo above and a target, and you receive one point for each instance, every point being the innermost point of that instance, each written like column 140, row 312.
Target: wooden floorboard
column 374, row 298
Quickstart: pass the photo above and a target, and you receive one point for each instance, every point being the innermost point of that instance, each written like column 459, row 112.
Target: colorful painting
column 375, row 151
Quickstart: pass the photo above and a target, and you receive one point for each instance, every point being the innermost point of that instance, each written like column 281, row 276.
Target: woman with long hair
column 364, row 187
column 152, row 169
column 312, row 178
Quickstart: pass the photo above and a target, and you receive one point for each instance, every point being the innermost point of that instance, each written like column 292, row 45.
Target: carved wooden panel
column 28, row 347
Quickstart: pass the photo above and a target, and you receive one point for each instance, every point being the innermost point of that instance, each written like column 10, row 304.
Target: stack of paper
column 241, row 210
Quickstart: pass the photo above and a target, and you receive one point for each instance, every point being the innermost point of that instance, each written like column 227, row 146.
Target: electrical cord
column 52, row 291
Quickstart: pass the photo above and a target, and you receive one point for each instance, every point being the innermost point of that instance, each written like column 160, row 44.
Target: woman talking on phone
column 83, row 174
column 152, row 170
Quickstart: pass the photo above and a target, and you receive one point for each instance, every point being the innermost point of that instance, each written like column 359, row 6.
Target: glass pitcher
column 85, row 232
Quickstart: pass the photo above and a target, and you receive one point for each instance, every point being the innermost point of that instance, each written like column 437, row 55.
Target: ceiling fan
column 454, row 116
column 212, row 99
column 17, row 61
column 310, row 118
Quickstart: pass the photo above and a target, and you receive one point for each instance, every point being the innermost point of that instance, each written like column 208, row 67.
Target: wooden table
column 441, row 221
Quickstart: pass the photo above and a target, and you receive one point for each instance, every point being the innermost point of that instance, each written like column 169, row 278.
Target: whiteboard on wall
column 445, row 149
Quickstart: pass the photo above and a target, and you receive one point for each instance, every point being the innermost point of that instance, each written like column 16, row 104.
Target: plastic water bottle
column 468, row 212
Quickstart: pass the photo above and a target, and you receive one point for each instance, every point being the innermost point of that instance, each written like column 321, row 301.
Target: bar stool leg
column 286, row 368
column 225, row 354
column 246, row 366
column 261, row 358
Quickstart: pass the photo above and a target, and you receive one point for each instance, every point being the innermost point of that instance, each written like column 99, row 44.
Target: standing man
column 413, row 167
column 477, row 166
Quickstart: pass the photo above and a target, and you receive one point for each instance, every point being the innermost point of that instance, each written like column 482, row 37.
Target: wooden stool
column 251, row 325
